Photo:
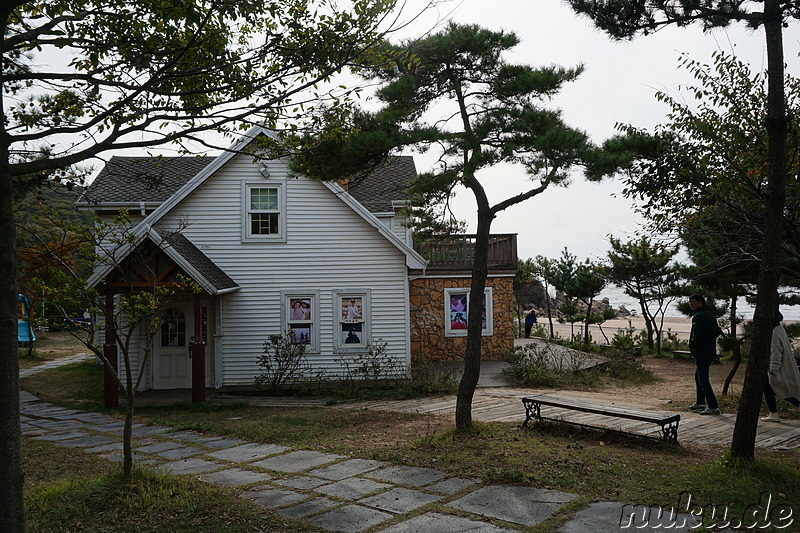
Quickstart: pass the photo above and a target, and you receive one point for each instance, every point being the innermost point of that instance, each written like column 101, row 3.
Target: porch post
column 110, row 395
column 198, row 355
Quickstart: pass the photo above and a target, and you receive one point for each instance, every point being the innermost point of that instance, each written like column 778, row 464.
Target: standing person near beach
column 784, row 377
column 703, row 345
column 530, row 320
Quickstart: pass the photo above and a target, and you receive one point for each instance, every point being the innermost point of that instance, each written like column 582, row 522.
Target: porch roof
column 186, row 255
column 190, row 258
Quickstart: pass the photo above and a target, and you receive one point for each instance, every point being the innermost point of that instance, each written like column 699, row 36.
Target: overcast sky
column 617, row 86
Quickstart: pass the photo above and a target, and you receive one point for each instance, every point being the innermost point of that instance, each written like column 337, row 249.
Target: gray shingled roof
column 201, row 262
column 154, row 179
column 386, row 184
column 142, row 179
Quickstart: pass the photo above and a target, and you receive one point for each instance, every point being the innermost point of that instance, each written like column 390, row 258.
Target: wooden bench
column 677, row 354
column 668, row 424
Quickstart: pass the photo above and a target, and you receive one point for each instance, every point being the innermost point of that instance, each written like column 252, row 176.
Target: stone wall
column 428, row 339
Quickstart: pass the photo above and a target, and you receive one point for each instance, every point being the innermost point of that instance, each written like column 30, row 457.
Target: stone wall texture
column 428, row 340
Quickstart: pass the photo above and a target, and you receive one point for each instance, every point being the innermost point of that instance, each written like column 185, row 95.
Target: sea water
column 616, row 297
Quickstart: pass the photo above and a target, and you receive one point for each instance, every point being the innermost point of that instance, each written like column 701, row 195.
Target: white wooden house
column 275, row 253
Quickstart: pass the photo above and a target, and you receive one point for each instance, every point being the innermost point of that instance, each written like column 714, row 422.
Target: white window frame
column 339, row 297
column 247, row 235
column 314, row 322
column 488, row 331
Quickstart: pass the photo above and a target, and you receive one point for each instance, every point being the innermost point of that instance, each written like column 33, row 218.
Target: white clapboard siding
column 328, row 247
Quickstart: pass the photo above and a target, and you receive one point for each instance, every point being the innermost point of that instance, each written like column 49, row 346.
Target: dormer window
column 264, row 212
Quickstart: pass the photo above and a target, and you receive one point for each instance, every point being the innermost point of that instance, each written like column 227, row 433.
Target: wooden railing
column 458, row 251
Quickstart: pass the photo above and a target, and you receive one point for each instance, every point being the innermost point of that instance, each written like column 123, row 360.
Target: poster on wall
column 352, row 310
column 299, row 334
column 299, row 309
column 352, row 333
column 459, row 303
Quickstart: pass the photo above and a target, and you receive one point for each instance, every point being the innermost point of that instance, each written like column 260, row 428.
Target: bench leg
column 532, row 410
column 669, row 432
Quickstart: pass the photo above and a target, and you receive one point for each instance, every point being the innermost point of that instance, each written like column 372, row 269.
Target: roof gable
column 142, row 179
column 369, row 193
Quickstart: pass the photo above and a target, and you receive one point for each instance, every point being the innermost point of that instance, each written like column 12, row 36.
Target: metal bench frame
column 668, row 424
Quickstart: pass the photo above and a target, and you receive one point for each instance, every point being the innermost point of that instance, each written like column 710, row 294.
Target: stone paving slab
column 400, row 500
column 113, row 447
column 180, row 452
column 58, row 424
column 138, row 459
column 190, row 436
column 414, row 476
column 86, row 442
column 157, row 447
column 117, row 425
column 452, row 485
column 301, row 482
column 607, row 517
column 350, row 519
column 352, row 488
column 221, row 443
column 147, row 431
column 95, row 418
column 27, row 397
column 235, row 477
column 192, row 465
column 31, row 431
column 345, row 469
column 61, row 435
column 248, row 452
column 298, row 461
column 272, row 498
column 523, row 505
column 306, row 508
column 442, row 523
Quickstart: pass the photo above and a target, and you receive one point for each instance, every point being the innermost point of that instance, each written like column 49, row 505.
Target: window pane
column 264, row 223
column 173, row 328
column 264, row 199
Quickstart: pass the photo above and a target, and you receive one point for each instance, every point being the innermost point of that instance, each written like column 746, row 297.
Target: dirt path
column 674, row 389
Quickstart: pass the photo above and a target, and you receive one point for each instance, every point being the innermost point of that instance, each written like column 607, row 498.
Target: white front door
column 172, row 367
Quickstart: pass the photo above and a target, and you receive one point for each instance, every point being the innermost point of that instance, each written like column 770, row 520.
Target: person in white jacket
column 784, row 376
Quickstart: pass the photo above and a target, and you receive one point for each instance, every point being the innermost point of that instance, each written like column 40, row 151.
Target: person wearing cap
column 703, row 345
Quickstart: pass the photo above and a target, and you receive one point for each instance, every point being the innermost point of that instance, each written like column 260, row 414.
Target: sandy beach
column 681, row 326
column 677, row 325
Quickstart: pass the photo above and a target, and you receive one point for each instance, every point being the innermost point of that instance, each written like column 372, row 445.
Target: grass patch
column 49, row 346
column 153, row 503
column 74, row 385
column 334, row 430
column 594, row 464
column 549, row 365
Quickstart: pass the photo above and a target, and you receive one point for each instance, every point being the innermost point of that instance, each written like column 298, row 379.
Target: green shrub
column 281, row 363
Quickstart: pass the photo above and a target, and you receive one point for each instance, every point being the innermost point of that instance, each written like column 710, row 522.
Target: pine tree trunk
column 12, row 508
column 736, row 348
column 472, row 359
column 744, row 432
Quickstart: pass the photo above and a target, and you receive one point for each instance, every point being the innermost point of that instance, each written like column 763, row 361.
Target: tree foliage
column 627, row 18
column 707, row 180
column 80, row 78
column 645, row 271
column 455, row 91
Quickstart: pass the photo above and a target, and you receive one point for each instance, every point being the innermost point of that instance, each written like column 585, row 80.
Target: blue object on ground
column 24, row 332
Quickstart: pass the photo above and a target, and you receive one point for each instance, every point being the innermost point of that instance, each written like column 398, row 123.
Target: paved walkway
column 334, row 492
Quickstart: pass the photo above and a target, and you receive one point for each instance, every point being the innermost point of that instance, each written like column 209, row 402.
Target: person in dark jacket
column 530, row 320
column 703, row 345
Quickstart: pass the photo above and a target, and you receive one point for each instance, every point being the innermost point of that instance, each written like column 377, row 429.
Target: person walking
column 784, row 376
column 530, row 320
column 703, row 345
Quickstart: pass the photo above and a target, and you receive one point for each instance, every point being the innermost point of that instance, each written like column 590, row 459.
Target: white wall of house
column 328, row 247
